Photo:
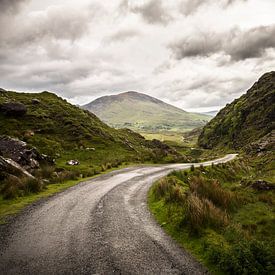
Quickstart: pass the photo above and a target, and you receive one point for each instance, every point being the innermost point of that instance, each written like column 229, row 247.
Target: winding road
column 100, row 226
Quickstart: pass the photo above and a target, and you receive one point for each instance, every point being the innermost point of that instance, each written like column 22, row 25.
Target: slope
column 64, row 131
column 141, row 112
column 245, row 120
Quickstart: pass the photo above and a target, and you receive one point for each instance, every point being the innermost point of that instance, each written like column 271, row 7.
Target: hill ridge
column 142, row 112
column 246, row 119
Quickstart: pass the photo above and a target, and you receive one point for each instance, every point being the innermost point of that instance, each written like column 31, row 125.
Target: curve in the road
column 101, row 226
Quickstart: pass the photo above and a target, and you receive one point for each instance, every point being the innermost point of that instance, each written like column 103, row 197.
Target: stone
column 13, row 109
column 35, row 101
column 72, row 162
column 262, row 185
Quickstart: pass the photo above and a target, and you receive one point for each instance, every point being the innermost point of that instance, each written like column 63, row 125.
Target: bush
column 46, row 172
column 33, row 185
column 243, row 257
column 66, row 175
column 12, row 187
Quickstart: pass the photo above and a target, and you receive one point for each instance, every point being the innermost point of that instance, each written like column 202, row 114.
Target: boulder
column 19, row 152
column 72, row 162
column 262, row 185
column 35, row 101
column 10, row 167
column 13, row 109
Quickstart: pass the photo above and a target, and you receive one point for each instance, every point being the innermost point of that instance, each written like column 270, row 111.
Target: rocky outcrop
column 13, row 109
column 266, row 143
column 18, row 151
column 10, row 167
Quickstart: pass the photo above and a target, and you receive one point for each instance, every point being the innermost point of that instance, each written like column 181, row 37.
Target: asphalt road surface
column 101, row 226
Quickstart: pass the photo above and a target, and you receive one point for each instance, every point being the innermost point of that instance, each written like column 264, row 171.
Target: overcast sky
column 198, row 55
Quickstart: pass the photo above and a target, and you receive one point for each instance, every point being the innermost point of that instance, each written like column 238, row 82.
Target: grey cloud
column 152, row 12
column 239, row 45
column 11, row 6
column 122, row 35
column 201, row 45
column 189, row 7
column 250, row 44
column 47, row 27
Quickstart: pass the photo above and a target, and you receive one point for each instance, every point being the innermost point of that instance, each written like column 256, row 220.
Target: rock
column 8, row 166
column 18, row 151
column 264, row 144
column 157, row 143
column 90, row 149
column 20, row 168
column 262, row 185
column 72, row 162
column 15, row 109
column 28, row 134
column 35, row 101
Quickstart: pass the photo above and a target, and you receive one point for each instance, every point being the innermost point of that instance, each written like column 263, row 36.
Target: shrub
column 266, row 198
column 46, row 172
column 66, row 175
column 12, row 187
column 243, row 257
column 33, row 185
column 162, row 187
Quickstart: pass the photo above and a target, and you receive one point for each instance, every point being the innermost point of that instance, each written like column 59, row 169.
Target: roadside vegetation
column 222, row 214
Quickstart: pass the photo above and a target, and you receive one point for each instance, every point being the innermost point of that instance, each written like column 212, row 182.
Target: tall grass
column 212, row 190
column 13, row 187
column 205, row 202
column 201, row 212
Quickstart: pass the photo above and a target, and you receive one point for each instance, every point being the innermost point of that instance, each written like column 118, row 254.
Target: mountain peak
column 141, row 112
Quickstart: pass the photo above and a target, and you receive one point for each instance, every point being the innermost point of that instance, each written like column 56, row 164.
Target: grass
column 13, row 206
column 226, row 225
column 176, row 137
column 64, row 131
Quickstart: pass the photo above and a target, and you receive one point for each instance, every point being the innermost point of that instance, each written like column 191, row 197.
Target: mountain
column 64, row 131
column 247, row 120
column 141, row 112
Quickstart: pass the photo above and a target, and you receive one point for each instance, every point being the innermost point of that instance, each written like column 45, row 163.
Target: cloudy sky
column 198, row 55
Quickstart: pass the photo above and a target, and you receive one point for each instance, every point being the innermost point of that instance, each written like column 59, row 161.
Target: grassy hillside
column 64, row 131
column 221, row 214
column 143, row 113
column 245, row 120
column 224, row 214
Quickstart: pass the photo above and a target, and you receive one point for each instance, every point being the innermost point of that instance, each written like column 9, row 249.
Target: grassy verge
column 9, row 207
column 216, row 215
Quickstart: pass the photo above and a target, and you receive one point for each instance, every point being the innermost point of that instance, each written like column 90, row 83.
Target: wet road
column 101, row 226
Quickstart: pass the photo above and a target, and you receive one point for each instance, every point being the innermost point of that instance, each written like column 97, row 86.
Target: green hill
column 64, row 131
column 143, row 113
column 247, row 120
